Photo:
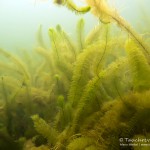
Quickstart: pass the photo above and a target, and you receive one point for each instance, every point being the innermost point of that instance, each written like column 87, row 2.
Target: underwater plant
column 82, row 94
column 107, row 14
column 95, row 91
column 72, row 6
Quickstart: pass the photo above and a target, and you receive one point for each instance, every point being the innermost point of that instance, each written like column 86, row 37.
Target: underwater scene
column 74, row 75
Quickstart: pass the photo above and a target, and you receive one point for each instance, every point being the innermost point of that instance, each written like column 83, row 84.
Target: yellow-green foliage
column 72, row 6
column 82, row 94
column 146, row 147
column 80, row 33
column 88, row 102
column 139, row 66
column 101, row 9
column 40, row 39
column 21, row 67
column 107, row 14
column 80, row 144
column 94, row 35
column 45, row 129
column 82, row 64
column 126, row 119
column 29, row 145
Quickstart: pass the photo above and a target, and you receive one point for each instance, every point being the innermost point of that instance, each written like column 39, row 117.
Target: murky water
column 74, row 75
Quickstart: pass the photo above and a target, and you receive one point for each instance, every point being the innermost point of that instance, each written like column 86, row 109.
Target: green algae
column 84, row 94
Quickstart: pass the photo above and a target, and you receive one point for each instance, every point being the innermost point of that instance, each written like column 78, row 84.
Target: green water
column 74, row 76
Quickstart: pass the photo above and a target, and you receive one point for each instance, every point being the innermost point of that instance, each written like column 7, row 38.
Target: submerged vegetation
column 82, row 94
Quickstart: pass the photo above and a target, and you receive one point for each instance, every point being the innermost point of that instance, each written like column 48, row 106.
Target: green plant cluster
column 82, row 94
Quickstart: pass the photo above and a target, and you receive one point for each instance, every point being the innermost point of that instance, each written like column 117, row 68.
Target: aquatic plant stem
column 102, row 10
column 107, row 14
column 104, row 52
column 125, row 25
